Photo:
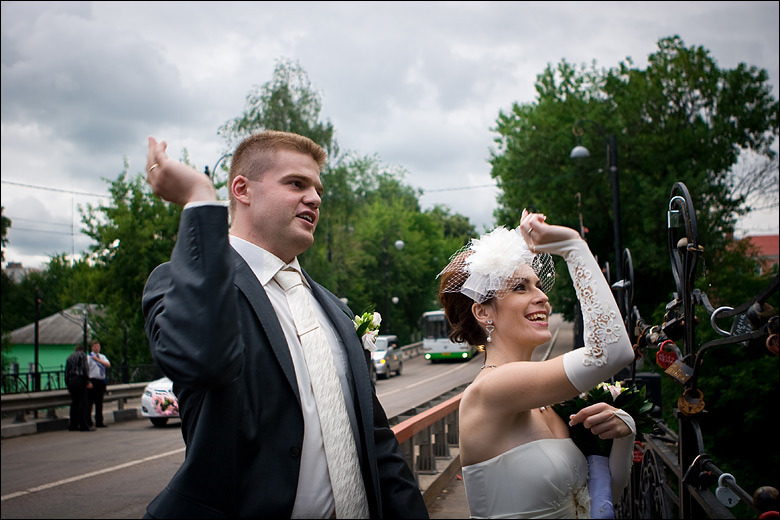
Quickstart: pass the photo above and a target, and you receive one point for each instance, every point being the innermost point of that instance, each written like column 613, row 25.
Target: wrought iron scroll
column 665, row 457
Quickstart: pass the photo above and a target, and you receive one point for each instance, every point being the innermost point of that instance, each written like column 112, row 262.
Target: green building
column 58, row 335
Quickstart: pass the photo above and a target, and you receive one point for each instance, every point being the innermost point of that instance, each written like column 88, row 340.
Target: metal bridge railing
column 672, row 474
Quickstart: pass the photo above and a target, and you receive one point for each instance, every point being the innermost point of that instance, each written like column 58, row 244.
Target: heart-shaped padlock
column 667, row 354
column 726, row 496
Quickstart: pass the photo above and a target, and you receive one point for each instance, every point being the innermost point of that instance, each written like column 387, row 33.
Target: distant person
column 98, row 363
column 77, row 381
column 517, row 455
column 278, row 412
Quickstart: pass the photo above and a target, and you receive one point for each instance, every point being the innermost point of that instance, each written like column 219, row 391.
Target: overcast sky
column 419, row 84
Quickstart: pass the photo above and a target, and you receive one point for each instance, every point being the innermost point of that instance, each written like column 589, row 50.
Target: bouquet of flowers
column 165, row 405
column 367, row 328
column 596, row 450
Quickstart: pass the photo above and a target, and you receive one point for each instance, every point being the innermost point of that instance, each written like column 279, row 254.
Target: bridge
column 115, row 473
column 39, row 478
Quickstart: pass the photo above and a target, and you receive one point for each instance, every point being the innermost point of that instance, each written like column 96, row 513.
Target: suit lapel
column 247, row 282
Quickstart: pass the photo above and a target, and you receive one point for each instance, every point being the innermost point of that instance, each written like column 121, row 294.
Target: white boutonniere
column 367, row 328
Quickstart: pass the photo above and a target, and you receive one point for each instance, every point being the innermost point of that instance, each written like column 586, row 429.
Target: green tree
column 288, row 103
column 680, row 119
column 61, row 284
column 5, row 223
column 133, row 234
column 366, row 207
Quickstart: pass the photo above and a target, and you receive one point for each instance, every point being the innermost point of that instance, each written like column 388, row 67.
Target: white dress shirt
column 314, row 497
column 96, row 370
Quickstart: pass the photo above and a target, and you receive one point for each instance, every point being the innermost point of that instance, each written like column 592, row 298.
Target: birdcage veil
column 490, row 266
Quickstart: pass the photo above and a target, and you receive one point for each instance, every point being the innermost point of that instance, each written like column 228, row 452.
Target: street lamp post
column 399, row 245
column 579, row 152
column 210, row 174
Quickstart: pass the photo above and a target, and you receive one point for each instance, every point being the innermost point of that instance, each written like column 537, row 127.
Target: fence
column 427, row 437
column 14, row 383
column 673, row 475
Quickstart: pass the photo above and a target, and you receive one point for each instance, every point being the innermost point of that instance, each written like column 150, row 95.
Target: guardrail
column 33, row 401
column 23, row 402
column 412, row 350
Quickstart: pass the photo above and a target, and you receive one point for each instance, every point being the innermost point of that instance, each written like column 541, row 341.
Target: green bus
column 436, row 341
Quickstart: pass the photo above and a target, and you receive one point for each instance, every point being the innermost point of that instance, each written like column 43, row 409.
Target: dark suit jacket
column 213, row 331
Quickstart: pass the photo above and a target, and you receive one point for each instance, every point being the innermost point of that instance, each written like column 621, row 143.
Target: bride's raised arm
column 607, row 346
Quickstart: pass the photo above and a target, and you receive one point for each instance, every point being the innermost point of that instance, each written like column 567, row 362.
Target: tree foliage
column 5, row 223
column 366, row 207
column 133, row 234
column 287, row 103
column 680, row 119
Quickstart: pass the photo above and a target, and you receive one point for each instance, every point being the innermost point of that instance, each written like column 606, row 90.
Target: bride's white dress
column 546, row 478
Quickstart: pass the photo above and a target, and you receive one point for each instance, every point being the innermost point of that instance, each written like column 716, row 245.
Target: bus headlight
column 427, row 356
column 464, row 355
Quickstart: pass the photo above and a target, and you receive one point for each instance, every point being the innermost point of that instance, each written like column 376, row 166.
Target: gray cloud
column 420, row 84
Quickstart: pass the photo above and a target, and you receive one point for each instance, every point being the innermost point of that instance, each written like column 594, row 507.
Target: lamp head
column 579, row 152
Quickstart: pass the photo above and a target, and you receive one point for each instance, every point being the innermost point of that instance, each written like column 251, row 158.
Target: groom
column 220, row 325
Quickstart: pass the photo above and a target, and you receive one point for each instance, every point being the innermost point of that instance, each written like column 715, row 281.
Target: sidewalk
column 43, row 423
column 449, row 503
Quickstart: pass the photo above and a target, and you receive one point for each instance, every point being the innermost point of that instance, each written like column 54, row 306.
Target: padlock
column 691, row 402
column 639, row 451
column 674, row 328
column 772, row 344
column 680, row 371
column 667, row 354
column 726, row 496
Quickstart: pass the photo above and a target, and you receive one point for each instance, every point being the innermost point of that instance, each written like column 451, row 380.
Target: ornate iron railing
column 672, row 474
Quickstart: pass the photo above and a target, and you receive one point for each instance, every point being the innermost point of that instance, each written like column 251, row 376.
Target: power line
column 56, row 189
column 14, row 219
column 460, row 188
column 69, row 233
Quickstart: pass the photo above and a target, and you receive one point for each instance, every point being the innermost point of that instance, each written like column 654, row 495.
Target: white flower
column 614, row 389
column 493, row 262
column 367, row 328
column 498, row 253
column 369, row 341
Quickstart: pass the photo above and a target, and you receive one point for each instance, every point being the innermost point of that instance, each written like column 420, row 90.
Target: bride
column 518, row 460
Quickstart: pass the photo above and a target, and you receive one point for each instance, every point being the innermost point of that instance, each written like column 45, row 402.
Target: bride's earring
column 489, row 328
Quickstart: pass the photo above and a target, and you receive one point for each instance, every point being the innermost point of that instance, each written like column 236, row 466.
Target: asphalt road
column 116, row 471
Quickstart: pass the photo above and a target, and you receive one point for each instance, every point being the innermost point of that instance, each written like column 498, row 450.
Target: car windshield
column 381, row 343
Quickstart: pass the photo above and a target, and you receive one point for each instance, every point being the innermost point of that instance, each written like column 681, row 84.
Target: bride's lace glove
column 621, row 456
column 607, row 347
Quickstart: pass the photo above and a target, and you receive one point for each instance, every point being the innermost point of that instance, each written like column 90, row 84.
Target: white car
column 159, row 403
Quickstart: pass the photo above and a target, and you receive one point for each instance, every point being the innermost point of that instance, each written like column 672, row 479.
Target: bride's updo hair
column 457, row 309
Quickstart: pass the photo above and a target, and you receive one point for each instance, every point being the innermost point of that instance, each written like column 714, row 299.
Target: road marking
column 88, row 475
column 423, row 381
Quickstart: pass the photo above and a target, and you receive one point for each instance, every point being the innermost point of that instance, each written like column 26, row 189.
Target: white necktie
column 340, row 451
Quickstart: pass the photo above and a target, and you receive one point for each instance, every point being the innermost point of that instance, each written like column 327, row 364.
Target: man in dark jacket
column 77, row 381
column 221, row 327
